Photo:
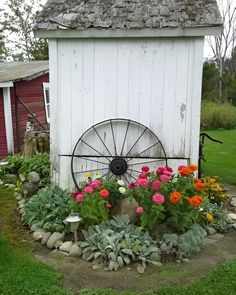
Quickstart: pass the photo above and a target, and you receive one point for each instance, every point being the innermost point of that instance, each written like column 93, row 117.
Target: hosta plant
column 116, row 243
column 48, row 209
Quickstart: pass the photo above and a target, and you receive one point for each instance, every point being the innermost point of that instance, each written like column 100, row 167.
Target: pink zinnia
column 79, row 197
column 139, row 210
column 143, row 182
column 164, row 177
column 142, row 176
column 132, row 185
column 95, row 184
column 145, row 169
column 156, row 185
column 160, row 170
column 169, row 169
column 88, row 189
column 158, row 199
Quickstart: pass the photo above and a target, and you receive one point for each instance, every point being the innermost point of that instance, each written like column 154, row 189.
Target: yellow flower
column 88, row 174
column 209, row 217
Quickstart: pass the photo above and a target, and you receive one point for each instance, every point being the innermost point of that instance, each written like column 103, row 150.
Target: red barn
column 24, row 94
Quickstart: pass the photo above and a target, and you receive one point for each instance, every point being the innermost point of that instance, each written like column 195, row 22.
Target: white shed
column 140, row 60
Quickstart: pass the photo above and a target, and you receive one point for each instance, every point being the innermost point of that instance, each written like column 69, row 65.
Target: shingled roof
column 128, row 14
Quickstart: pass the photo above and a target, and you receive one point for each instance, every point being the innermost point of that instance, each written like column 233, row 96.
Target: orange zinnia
column 185, row 171
column 193, row 167
column 175, row 198
column 198, row 186
column 195, row 201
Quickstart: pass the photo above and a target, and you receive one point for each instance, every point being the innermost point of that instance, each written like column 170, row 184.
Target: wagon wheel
column 116, row 148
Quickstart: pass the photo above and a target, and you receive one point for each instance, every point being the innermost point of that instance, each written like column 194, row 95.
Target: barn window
column 46, row 88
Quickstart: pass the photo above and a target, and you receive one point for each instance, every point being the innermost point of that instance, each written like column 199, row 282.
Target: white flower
column 121, row 182
column 122, row 190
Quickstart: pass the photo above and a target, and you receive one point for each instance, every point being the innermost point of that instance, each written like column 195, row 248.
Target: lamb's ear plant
column 48, row 209
column 116, row 243
column 184, row 245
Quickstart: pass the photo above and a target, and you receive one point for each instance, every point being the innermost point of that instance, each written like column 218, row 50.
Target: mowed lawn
column 221, row 158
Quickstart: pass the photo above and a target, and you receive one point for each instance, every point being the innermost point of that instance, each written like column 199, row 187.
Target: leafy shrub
column 39, row 163
column 48, row 209
column 184, row 245
column 96, row 198
column 117, row 242
column 13, row 164
column 218, row 116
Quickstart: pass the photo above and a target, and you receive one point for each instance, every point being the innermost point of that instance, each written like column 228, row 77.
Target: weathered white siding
column 156, row 82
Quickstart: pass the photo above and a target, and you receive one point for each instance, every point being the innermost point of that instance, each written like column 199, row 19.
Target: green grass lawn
column 221, row 158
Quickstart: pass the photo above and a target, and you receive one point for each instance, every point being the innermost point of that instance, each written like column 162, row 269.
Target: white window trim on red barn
column 46, row 88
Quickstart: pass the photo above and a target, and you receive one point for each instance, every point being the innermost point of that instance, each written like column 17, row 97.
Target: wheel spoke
column 145, row 150
column 147, row 162
column 101, row 140
column 94, row 161
column 135, row 170
column 105, row 174
column 136, row 141
column 113, row 136
column 131, row 175
column 125, row 178
column 94, row 149
column 91, row 170
column 126, row 132
column 110, row 177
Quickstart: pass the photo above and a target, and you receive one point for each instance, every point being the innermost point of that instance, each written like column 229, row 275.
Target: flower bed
column 160, row 215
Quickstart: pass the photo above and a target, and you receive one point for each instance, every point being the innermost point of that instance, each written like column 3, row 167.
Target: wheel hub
column 118, row 166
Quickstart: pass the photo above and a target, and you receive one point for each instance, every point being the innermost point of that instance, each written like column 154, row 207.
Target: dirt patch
column 78, row 273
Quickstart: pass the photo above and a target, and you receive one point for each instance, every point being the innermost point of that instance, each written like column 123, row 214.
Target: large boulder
column 127, row 207
column 75, row 251
column 55, row 237
column 33, row 177
column 66, row 246
column 45, row 237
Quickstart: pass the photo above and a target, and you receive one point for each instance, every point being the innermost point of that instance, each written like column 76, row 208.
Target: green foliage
column 17, row 24
column 117, row 242
column 184, row 245
column 21, row 275
column 39, row 163
column 48, row 209
column 221, row 158
column 14, row 164
column 210, row 81
column 218, row 116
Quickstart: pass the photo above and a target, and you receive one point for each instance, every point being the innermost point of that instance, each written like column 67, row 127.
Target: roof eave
column 200, row 31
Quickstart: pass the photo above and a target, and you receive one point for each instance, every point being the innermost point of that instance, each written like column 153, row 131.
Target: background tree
column 222, row 46
column 18, row 20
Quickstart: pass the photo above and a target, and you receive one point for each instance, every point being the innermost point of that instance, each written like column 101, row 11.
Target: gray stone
column 45, row 237
column 216, row 236
column 22, row 177
column 156, row 263
column 29, row 189
column 210, row 230
column 140, row 269
column 11, row 186
column 231, row 217
column 75, row 251
column 18, row 196
column 21, row 203
column 58, row 244
column 34, row 227
column 10, row 178
column 33, row 177
column 38, row 234
column 127, row 207
column 63, row 253
column 55, row 237
column 66, row 246
column 209, row 242
column 233, row 202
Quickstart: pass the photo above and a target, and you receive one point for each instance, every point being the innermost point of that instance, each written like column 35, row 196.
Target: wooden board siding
column 3, row 140
column 156, row 82
column 31, row 94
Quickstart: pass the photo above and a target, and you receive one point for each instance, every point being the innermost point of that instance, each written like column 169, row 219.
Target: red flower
column 132, row 185
column 195, row 201
column 143, row 182
column 108, row 205
column 104, row 193
column 185, row 171
column 145, row 169
column 198, row 186
column 156, row 185
column 175, row 197
column 142, row 176
column 193, row 167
